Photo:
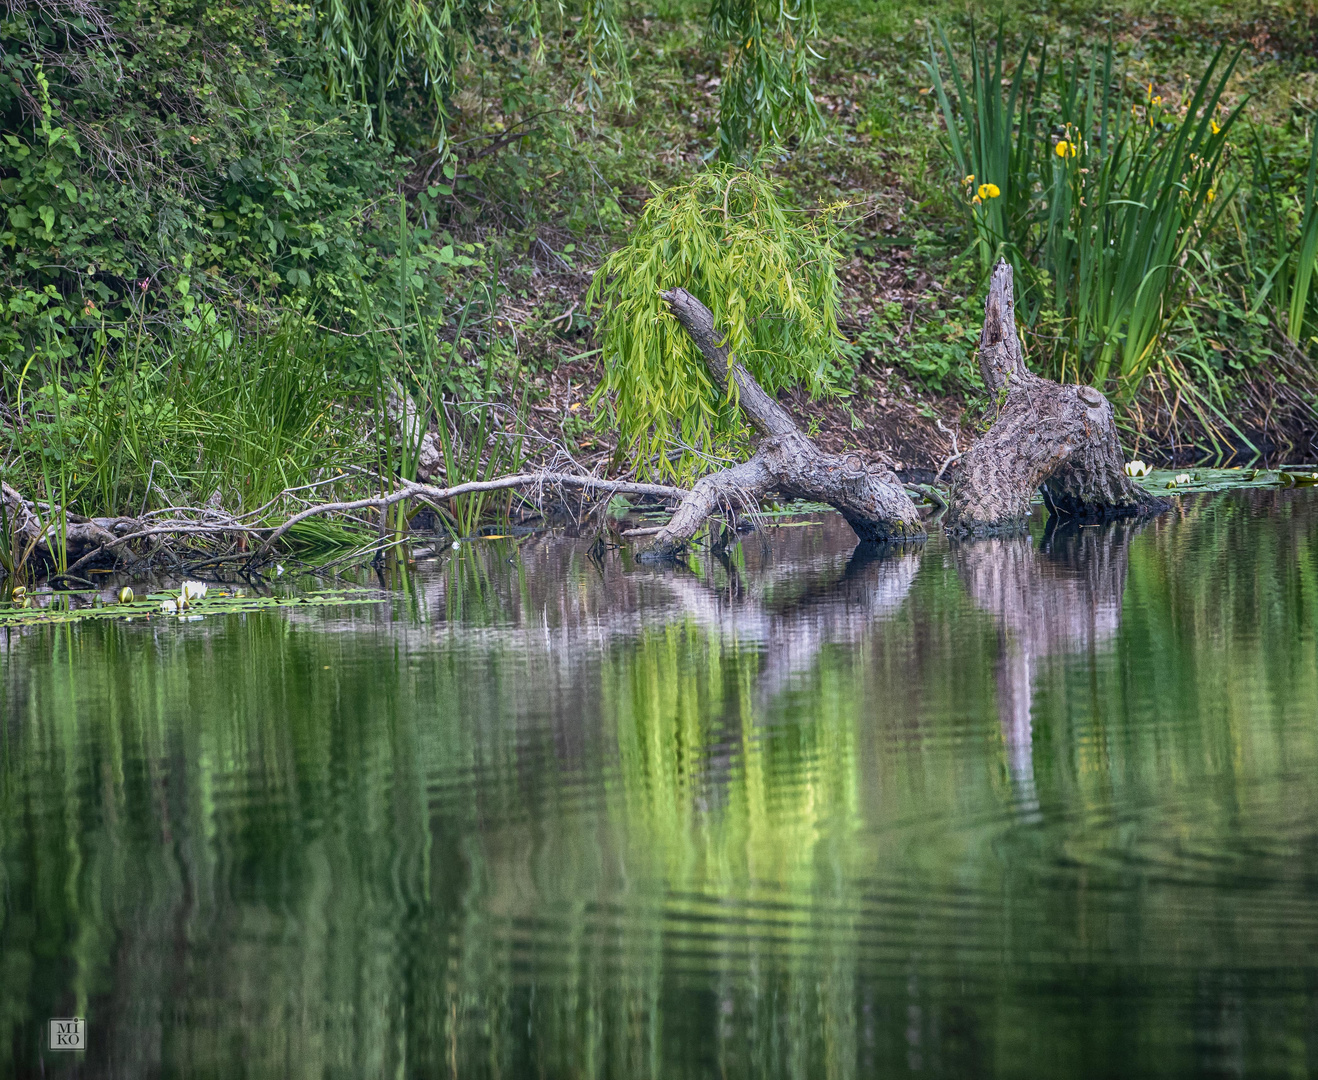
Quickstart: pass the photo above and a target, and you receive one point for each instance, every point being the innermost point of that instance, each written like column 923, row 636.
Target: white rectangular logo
column 67, row 1034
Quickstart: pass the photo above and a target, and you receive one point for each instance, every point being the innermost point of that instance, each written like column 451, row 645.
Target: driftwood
column 31, row 529
column 867, row 494
column 1045, row 435
column 34, row 530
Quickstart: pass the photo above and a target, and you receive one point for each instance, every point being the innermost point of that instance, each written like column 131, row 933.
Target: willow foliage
column 765, row 93
column 769, row 275
column 374, row 49
column 371, row 46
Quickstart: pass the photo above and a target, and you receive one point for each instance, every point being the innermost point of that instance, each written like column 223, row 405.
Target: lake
column 1039, row 806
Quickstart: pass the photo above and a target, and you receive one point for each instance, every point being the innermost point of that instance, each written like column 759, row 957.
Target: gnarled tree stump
column 867, row 494
column 1045, row 435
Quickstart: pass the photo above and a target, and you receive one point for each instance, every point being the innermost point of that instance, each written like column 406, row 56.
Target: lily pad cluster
column 1195, row 480
column 189, row 602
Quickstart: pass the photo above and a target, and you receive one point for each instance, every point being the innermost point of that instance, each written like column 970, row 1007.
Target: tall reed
column 1095, row 193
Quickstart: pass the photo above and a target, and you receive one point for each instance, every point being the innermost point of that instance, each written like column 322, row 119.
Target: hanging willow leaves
column 605, row 53
column 769, row 274
column 765, row 92
column 375, row 48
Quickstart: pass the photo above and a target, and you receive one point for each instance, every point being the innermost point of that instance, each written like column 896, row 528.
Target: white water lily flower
column 169, row 607
column 1184, row 478
column 1138, row 468
column 192, row 591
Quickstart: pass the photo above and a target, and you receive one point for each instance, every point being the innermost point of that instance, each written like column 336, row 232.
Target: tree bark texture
column 41, row 534
column 867, row 494
column 1044, row 435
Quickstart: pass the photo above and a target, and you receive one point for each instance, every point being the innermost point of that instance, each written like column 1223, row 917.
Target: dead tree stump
column 867, row 494
column 1044, row 435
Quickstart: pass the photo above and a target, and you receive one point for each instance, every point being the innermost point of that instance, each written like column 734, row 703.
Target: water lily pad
column 1159, row 481
column 1298, row 479
column 66, row 607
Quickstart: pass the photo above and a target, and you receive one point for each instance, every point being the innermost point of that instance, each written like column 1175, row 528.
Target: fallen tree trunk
column 87, row 540
column 29, row 530
column 1047, row 436
column 867, row 494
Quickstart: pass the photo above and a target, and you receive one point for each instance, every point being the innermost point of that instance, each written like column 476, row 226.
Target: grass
column 219, row 421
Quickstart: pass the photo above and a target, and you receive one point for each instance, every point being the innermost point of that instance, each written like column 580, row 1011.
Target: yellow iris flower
column 989, row 191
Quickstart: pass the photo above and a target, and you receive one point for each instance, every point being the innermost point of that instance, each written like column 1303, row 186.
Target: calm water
column 1035, row 807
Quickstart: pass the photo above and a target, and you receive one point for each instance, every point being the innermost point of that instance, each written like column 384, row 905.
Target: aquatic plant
column 36, row 609
column 1096, row 223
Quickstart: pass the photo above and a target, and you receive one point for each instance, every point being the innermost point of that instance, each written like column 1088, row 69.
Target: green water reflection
column 1042, row 806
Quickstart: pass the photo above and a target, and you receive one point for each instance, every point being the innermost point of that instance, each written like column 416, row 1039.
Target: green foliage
column 1306, row 254
column 79, row 607
column 935, row 347
column 765, row 92
column 767, row 272
column 1290, row 280
column 212, row 417
column 382, row 54
column 180, row 162
column 1095, row 193
column 1274, row 220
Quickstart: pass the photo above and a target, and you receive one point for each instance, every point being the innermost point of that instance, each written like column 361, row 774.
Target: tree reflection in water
column 804, row 810
column 1062, row 596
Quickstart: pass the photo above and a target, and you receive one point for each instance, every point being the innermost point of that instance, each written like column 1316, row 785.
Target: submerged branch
column 412, row 490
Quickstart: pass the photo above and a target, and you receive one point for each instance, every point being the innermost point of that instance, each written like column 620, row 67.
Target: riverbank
column 247, row 372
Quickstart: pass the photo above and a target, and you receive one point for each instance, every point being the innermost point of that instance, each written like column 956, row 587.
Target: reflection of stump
column 1060, row 438
column 1064, row 597
column 867, row 494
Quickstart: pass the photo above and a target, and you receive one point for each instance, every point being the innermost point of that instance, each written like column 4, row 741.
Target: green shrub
column 179, row 161
column 766, row 271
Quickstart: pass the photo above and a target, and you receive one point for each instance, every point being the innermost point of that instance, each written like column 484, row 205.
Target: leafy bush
column 769, row 275
column 180, row 161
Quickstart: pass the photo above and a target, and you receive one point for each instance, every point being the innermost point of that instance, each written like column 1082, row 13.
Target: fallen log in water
column 867, row 494
column 33, row 529
column 1043, row 436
